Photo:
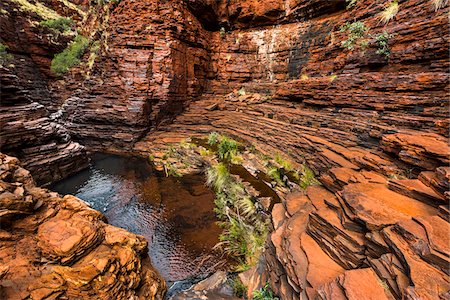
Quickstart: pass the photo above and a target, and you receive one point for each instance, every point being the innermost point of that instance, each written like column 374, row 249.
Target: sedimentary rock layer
column 53, row 247
column 26, row 127
column 373, row 129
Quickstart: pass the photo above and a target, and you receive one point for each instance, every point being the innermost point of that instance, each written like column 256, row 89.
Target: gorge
column 314, row 132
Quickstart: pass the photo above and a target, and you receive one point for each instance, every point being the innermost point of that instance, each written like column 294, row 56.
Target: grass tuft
column 389, row 13
column 217, row 177
column 307, row 178
column 438, row 4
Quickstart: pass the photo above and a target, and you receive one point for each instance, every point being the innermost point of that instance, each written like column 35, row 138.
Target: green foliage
column 227, row 148
column 60, row 24
column 170, row 170
column 241, row 91
column 244, row 230
column 307, row 178
column 222, row 32
column 239, row 289
column 204, row 152
column 70, row 57
column 265, row 293
column 4, row 55
column 283, row 163
column 218, row 177
column 213, row 138
column 390, row 12
column 236, row 158
column 357, row 32
column 382, row 41
column 351, row 3
column 276, row 174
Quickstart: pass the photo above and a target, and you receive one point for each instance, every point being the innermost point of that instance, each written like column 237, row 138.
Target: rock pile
column 53, row 247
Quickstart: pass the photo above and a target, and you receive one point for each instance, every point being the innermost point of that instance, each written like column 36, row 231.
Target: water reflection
column 174, row 214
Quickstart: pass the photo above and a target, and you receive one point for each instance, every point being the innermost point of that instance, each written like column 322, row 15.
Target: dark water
column 174, row 214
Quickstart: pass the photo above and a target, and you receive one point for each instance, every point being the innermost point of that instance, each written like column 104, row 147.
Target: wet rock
column 63, row 248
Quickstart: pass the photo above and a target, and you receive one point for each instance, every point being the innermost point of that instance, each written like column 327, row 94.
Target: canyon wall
column 155, row 62
column 373, row 128
column 274, row 74
column 27, row 130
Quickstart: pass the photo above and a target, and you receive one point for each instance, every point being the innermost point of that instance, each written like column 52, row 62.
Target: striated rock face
column 26, row 128
column 374, row 130
column 155, row 62
column 55, row 247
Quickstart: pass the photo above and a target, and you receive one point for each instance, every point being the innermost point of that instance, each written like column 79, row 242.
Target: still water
column 174, row 214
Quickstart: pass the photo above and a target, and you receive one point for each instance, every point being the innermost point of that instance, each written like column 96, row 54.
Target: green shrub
column 61, row 24
column 227, row 148
column 307, row 178
column 213, row 138
column 286, row 165
column 382, row 41
column 357, row 32
column 265, row 293
column 239, row 289
column 4, row 55
column 276, row 174
column 242, row 92
column 70, row 57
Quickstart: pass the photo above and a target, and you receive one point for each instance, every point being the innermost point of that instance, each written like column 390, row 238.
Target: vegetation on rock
column 38, row 8
column 356, row 35
column 70, row 57
column 60, row 24
column 4, row 55
column 351, row 3
column 390, row 12
column 382, row 41
column 244, row 227
column 227, row 148
column 264, row 293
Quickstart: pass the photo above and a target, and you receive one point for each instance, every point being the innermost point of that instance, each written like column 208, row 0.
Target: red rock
column 63, row 248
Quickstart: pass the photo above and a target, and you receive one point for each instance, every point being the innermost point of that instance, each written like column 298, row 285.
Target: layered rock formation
column 53, row 247
column 374, row 129
column 274, row 74
column 155, row 61
column 26, row 128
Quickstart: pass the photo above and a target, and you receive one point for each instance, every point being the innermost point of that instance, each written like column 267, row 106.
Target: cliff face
column 26, row 127
column 155, row 62
column 55, row 247
column 373, row 125
column 373, row 128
